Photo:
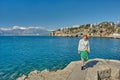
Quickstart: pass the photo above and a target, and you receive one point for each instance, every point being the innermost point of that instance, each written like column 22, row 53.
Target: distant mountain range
column 25, row 31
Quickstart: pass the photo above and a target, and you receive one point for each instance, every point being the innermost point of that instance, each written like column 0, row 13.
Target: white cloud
column 18, row 27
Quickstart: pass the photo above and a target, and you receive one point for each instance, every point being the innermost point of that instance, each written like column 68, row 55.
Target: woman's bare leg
column 83, row 62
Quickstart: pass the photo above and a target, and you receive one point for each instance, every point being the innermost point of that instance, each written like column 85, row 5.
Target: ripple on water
column 13, row 76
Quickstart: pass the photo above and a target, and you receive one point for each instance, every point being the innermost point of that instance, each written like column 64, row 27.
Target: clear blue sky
column 55, row 14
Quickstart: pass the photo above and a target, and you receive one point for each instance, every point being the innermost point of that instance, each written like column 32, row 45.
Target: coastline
column 103, row 29
column 71, row 71
column 113, row 37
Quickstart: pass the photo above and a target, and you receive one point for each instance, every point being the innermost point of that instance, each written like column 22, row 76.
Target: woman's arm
column 88, row 47
column 79, row 46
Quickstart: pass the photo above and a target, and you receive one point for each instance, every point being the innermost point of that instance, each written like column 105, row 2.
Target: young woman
column 84, row 50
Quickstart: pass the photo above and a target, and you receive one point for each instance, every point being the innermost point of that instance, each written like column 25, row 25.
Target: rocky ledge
column 96, row 69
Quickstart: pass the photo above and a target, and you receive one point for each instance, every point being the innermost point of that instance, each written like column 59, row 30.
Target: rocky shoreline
column 112, row 37
column 106, row 69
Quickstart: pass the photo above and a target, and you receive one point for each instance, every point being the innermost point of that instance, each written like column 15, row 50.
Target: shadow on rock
column 91, row 63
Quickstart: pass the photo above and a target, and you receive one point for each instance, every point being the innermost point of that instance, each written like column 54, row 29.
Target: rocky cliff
column 104, row 29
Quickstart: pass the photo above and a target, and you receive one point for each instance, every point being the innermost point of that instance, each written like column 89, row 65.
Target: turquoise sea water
column 21, row 54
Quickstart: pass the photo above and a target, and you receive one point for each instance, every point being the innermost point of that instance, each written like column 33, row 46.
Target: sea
column 22, row 54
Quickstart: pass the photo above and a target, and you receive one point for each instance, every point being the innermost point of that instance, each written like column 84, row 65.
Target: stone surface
column 97, row 69
column 22, row 78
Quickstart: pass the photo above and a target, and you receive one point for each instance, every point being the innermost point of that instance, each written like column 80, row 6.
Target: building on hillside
column 116, row 35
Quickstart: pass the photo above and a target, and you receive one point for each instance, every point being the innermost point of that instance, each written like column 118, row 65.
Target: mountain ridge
column 18, row 30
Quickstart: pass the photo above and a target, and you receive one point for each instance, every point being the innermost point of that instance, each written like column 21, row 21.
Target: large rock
column 22, row 78
column 97, row 69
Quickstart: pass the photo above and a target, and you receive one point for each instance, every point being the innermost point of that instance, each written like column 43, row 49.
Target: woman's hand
column 87, row 50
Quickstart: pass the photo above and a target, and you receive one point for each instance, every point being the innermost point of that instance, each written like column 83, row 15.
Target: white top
column 83, row 45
